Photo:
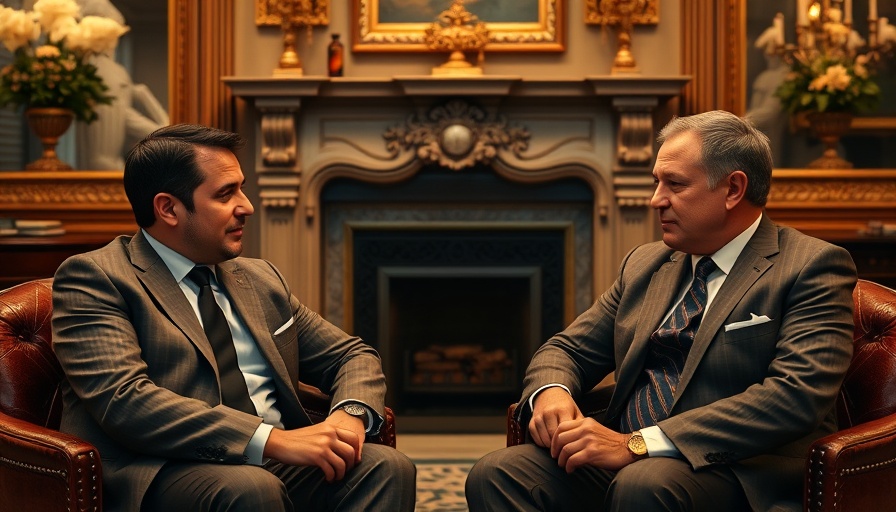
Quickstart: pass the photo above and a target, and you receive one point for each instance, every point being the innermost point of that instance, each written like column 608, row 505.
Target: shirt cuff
column 658, row 445
column 374, row 420
column 542, row 388
column 255, row 449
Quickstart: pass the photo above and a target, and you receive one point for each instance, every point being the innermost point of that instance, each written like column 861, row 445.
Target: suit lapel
column 661, row 292
column 752, row 263
column 160, row 284
column 247, row 303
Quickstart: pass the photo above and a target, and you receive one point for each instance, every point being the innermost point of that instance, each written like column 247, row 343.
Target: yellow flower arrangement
column 830, row 76
column 51, row 49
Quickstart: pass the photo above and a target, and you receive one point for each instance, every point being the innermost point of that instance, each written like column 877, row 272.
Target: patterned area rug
column 440, row 485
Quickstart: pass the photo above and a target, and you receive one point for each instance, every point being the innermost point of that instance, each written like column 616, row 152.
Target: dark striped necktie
column 668, row 350
column 234, row 392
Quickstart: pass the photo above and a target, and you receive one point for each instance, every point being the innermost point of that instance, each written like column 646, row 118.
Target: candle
column 872, row 9
column 802, row 12
column 847, row 11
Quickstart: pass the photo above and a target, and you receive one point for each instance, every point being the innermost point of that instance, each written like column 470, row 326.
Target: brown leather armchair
column 853, row 469
column 42, row 469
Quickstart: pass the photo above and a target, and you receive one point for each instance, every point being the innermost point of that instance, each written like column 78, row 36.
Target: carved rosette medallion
column 457, row 135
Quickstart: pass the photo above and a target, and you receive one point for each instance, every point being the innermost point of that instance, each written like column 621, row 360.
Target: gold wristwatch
column 637, row 446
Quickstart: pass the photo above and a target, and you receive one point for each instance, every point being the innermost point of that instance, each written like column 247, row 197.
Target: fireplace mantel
column 309, row 131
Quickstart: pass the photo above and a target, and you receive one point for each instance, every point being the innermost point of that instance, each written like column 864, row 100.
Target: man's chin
column 233, row 250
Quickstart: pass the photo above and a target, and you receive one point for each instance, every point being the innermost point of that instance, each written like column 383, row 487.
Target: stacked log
column 460, row 364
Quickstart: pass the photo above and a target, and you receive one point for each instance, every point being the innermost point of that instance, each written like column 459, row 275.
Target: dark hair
column 165, row 161
column 728, row 143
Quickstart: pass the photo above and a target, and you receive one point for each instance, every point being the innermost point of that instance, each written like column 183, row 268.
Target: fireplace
column 474, row 163
column 456, row 297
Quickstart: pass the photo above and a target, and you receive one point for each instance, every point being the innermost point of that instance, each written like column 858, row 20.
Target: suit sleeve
column 339, row 364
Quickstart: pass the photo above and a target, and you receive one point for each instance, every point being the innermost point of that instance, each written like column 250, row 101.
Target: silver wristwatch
column 356, row 410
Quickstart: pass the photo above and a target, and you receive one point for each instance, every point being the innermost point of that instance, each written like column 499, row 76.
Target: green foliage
column 53, row 76
column 829, row 84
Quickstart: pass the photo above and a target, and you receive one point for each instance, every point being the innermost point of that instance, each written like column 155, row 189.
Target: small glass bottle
column 335, row 56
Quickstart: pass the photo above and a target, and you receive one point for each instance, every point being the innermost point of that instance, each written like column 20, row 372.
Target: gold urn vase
column 49, row 124
column 828, row 127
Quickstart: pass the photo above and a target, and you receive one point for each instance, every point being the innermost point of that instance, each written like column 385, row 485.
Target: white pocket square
column 284, row 326
column 754, row 320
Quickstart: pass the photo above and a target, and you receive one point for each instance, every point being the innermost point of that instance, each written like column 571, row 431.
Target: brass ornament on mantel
column 621, row 14
column 294, row 14
column 457, row 135
column 457, row 31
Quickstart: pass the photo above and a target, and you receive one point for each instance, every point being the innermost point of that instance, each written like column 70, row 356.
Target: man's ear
column 737, row 188
column 167, row 207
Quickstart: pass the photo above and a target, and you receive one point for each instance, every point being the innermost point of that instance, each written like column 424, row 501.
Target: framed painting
column 514, row 25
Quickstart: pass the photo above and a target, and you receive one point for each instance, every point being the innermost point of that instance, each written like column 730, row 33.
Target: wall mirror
column 872, row 135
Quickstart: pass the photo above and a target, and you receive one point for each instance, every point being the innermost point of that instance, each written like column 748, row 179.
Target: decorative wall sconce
column 457, row 31
column 623, row 15
column 291, row 15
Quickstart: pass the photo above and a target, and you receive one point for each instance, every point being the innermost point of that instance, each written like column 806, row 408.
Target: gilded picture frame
column 267, row 13
column 514, row 25
column 648, row 13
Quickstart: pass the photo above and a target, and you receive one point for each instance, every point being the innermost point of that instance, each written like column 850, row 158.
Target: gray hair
column 728, row 143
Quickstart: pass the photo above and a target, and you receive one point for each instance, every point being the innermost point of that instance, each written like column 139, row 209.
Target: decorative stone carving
column 634, row 150
column 278, row 133
column 457, row 135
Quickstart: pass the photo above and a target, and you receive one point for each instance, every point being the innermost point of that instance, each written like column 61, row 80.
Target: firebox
column 456, row 314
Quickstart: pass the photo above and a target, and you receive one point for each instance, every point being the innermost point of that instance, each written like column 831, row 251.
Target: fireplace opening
column 456, row 315
column 457, row 338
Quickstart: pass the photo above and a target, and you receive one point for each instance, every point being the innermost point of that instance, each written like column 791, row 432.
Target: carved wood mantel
column 312, row 130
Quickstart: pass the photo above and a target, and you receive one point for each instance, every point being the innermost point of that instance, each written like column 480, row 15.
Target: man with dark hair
column 728, row 341
column 182, row 359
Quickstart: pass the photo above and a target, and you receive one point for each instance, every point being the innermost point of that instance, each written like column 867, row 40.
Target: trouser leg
column 667, row 484
column 385, row 479
column 527, row 478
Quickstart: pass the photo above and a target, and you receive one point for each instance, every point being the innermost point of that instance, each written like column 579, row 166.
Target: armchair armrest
column 853, row 469
column 317, row 405
column 42, row 469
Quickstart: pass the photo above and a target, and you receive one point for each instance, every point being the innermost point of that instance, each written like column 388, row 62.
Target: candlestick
column 802, row 12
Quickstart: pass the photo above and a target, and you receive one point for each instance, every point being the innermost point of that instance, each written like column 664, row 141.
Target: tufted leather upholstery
column 42, row 469
column 853, row 469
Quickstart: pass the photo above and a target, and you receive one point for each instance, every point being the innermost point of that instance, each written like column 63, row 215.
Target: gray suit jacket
column 753, row 398
column 142, row 384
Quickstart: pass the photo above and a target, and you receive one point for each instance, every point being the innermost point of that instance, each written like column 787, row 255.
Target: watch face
column 354, row 409
column 637, row 445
